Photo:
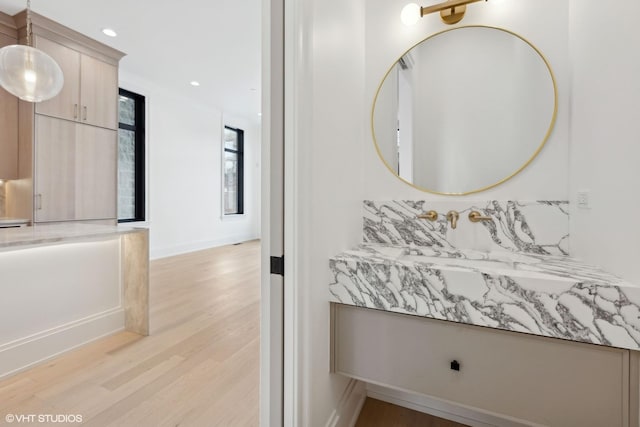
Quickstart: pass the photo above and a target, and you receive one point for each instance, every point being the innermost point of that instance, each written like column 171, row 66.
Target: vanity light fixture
column 27, row 72
column 195, row 83
column 451, row 11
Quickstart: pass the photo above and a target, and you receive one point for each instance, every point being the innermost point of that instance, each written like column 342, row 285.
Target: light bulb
column 410, row 14
column 30, row 76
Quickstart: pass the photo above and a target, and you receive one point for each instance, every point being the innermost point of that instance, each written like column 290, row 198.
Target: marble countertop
column 547, row 295
column 42, row 234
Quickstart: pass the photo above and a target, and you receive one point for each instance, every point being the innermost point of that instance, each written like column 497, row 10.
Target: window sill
column 139, row 224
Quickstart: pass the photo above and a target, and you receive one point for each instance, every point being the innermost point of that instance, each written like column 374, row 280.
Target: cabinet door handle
column 75, row 111
column 84, row 113
column 39, row 202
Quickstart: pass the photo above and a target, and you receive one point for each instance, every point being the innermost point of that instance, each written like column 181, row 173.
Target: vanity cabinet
column 90, row 92
column 532, row 379
column 8, row 126
column 75, row 166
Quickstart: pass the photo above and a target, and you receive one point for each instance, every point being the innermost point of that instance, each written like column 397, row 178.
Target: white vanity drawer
column 541, row 380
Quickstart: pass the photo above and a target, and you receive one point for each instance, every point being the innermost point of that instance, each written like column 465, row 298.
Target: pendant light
column 27, row 72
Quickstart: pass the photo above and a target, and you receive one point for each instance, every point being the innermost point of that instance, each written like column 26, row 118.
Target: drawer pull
column 455, row 366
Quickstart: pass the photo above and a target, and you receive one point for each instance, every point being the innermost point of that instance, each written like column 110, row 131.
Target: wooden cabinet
column 67, row 162
column 90, row 92
column 75, row 171
column 65, row 105
column 99, row 93
column 8, row 127
column 96, row 173
column 532, row 379
column 55, row 169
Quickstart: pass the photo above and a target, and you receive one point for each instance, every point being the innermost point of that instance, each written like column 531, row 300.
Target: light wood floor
column 199, row 367
column 376, row 413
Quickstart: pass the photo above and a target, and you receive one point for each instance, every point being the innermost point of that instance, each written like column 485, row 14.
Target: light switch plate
column 583, row 199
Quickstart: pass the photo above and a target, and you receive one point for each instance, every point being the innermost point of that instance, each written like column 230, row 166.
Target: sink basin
column 547, row 295
column 490, row 264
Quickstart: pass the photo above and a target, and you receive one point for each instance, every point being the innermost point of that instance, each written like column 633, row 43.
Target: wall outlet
column 583, row 199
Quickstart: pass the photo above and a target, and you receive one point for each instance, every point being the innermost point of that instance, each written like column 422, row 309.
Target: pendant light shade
column 29, row 73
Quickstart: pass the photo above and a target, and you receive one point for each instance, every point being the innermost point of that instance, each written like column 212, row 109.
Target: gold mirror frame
column 527, row 163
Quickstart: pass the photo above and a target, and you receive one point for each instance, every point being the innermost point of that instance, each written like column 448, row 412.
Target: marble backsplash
column 538, row 227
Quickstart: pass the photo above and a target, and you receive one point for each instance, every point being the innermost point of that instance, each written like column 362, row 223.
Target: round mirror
column 464, row 110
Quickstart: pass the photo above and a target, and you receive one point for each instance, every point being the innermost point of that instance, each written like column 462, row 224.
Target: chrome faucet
column 452, row 217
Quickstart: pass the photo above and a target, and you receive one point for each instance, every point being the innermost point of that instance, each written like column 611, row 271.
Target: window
column 233, row 191
column 131, row 187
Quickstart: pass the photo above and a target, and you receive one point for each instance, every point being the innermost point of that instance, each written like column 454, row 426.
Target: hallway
column 199, row 366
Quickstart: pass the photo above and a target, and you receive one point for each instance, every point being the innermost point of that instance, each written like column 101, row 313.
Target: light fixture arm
column 451, row 4
column 451, row 11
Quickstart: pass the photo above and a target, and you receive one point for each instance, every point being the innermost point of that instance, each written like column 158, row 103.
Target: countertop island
column 64, row 285
column 43, row 234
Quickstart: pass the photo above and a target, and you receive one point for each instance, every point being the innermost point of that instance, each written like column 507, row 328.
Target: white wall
column 326, row 177
column 341, row 52
column 386, row 118
column 605, row 135
column 387, row 39
column 337, row 164
column 184, row 173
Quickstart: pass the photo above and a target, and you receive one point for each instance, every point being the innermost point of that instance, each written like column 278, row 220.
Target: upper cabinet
column 8, row 117
column 99, row 92
column 90, row 92
column 65, row 105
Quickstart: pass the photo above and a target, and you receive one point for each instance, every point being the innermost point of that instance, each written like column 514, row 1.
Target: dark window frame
column 240, row 153
column 139, row 130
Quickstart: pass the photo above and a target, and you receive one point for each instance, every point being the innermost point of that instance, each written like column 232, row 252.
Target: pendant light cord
column 29, row 23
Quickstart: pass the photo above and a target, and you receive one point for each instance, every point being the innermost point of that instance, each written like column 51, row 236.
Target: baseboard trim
column 444, row 409
column 26, row 352
column 349, row 406
column 158, row 253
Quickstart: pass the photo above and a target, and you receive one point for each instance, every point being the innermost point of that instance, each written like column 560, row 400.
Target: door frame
column 285, row 66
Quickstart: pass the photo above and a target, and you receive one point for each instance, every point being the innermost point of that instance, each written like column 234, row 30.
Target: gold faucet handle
column 452, row 217
column 431, row 215
column 475, row 216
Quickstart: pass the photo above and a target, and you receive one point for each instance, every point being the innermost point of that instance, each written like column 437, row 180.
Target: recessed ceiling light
column 109, row 32
column 195, row 83
column 259, row 114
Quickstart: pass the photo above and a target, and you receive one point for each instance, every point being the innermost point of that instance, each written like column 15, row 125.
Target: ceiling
column 170, row 44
